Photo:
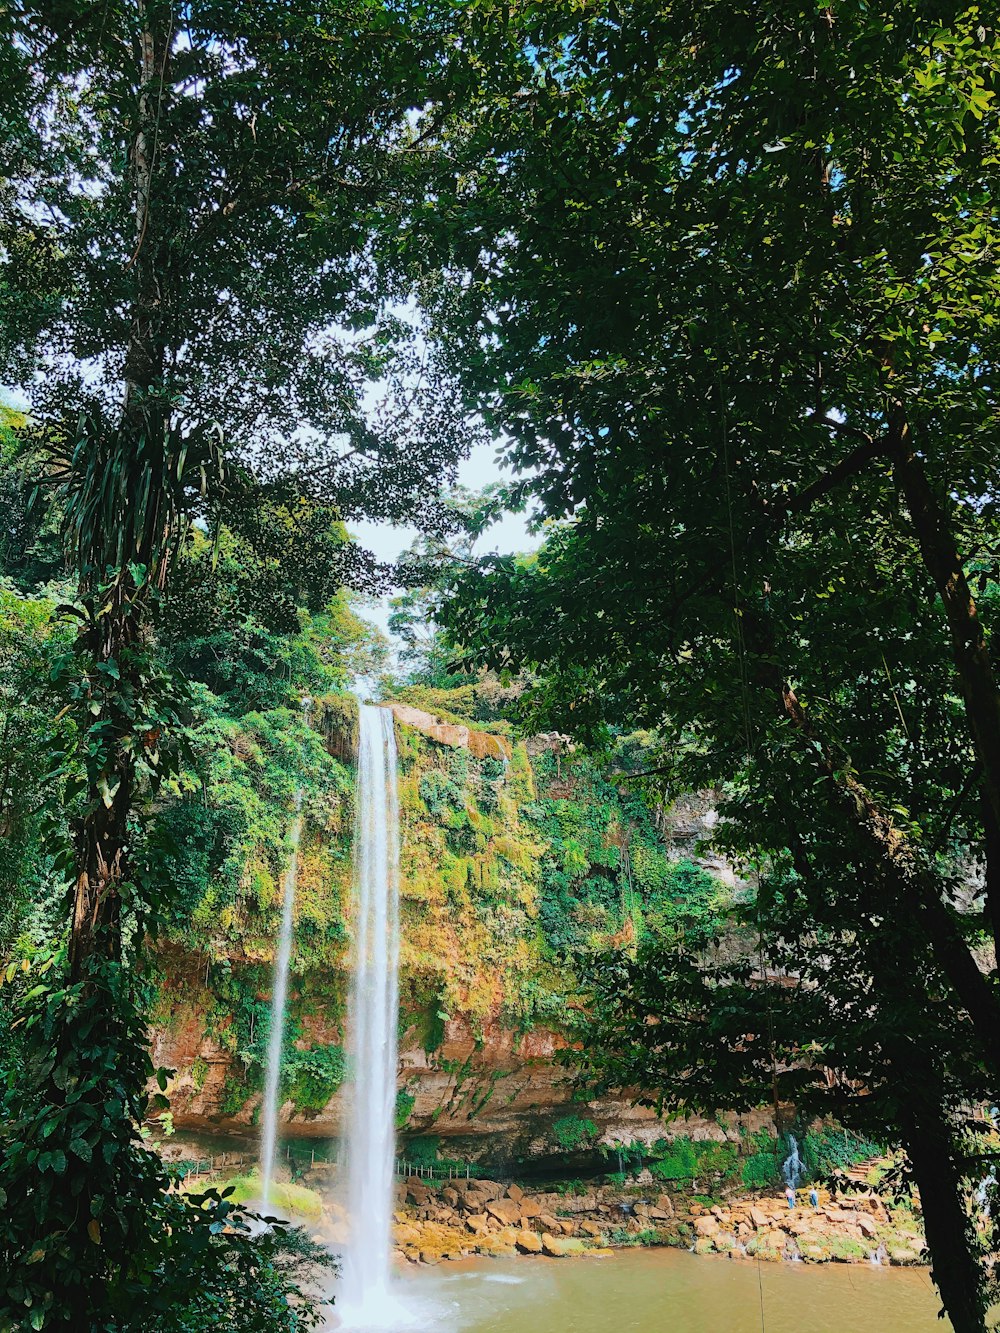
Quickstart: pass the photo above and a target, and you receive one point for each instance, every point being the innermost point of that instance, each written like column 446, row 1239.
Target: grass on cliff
column 295, row 1200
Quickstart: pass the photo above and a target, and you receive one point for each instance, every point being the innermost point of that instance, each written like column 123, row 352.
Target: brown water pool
column 667, row 1291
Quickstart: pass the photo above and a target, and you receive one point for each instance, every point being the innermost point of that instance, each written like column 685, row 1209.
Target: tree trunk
column 103, row 860
column 991, row 875
column 917, row 1104
column 970, row 648
column 910, row 885
column 117, row 630
column 955, row 1270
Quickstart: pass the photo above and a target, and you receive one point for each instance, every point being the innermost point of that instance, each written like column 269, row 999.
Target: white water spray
column 365, row 1299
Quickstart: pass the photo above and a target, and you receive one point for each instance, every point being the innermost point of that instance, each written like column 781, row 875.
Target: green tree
column 205, row 313
column 730, row 294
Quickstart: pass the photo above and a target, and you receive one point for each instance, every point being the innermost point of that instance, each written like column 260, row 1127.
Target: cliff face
column 515, row 859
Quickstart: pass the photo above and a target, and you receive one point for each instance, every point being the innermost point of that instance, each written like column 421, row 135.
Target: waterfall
column 365, row 1300
column 279, row 993
column 791, row 1168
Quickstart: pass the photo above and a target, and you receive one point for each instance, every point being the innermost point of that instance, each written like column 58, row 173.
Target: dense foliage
column 742, row 340
column 722, row 279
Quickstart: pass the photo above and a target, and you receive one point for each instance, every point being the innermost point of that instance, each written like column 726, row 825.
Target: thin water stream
column 279, row 995
column 365, row 1298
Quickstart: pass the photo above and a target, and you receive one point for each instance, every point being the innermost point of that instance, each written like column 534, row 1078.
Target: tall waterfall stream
column 365, row 1299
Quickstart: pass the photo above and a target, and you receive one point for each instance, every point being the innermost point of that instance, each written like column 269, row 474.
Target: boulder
column 485, row 1189
column 660, row 1215
column 528, row 1242
column 548, row 1223
column 417, row 1194
column 505, row 1210
column 515, row 1192
column 529, row 1207
column 706, row 1226
column 478, row 1224
column 665, row 1204
column 865, row 1223
column 760, row 1219
column 591, row 1229
column 560, row 1247
column 874, row 1205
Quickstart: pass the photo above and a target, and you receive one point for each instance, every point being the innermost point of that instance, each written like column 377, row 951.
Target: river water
column 667, row 1291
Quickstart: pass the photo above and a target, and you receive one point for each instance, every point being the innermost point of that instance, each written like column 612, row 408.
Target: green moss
column 513, row 868
column 285, row 1197
column 842, row 1249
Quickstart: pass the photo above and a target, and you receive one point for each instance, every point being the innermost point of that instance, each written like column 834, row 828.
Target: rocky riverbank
column 443, row 1221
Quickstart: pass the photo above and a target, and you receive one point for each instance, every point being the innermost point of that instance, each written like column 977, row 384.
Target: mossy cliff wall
column 516, row 859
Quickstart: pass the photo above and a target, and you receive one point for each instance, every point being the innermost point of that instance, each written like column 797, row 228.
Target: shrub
column 405, row 1102
column 680, row 1162
column 825, row 1150
column 311, row 1077
column 572, row 1132
column 761, row 1170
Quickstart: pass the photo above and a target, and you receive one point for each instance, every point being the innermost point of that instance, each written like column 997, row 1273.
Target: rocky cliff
column 516, row 859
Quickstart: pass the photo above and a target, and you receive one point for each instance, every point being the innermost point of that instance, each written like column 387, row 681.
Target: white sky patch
column 507, row 537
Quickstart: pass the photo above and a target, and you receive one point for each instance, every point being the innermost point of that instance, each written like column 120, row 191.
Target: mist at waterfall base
column 366, row 1298
column 279, row 995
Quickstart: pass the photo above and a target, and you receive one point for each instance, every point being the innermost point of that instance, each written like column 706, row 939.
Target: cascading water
column 791, row 1168
column 365, row 1299
column 279, row 993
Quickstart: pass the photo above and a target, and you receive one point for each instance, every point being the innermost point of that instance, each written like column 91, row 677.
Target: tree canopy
column 722, row 279
column 740, row 330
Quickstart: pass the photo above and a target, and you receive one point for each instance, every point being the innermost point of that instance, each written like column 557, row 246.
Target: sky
column 507, row 536
column 387, row 541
